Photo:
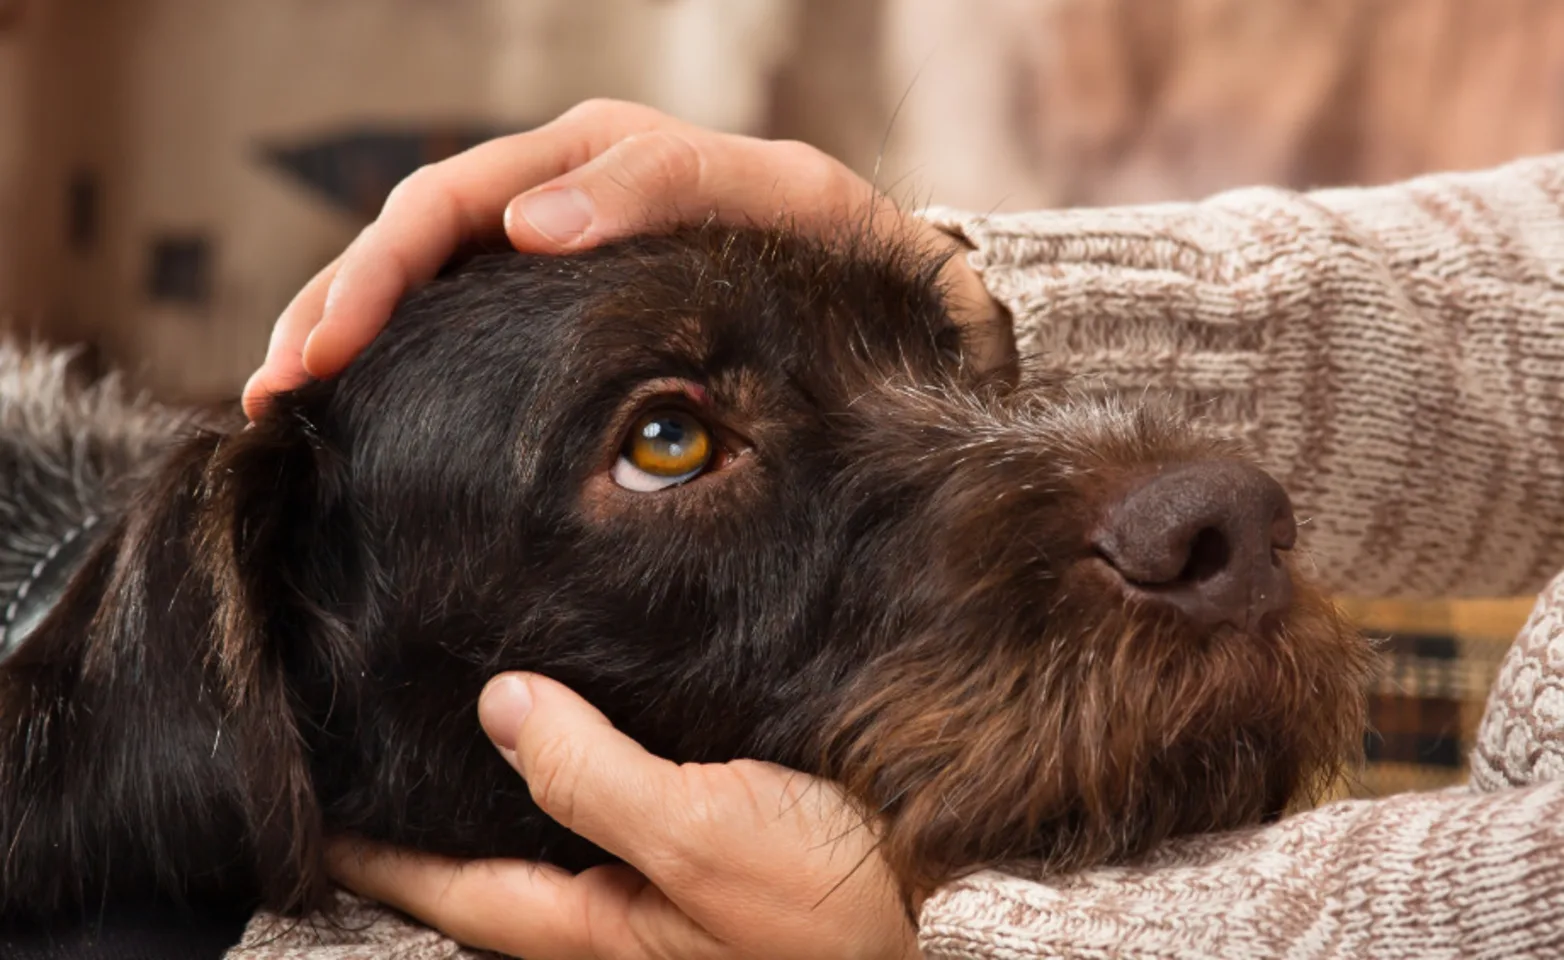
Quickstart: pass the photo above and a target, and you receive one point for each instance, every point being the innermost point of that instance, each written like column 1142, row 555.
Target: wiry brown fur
column 1048, row 719
column 283, row 631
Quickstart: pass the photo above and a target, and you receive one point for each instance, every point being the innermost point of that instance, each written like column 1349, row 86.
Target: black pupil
column 666, row 430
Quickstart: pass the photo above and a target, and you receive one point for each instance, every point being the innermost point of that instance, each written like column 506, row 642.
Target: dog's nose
column 1203, row 537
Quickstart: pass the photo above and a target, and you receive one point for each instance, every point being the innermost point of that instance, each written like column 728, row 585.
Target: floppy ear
column 152, row 733
column 272, row 543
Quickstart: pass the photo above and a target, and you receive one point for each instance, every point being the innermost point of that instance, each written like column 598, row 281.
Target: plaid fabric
column 1441, row 659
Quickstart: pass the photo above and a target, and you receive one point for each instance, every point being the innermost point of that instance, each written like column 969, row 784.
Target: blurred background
column 171, row 171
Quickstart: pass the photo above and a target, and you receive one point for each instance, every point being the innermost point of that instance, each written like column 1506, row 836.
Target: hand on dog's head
column 737, row 488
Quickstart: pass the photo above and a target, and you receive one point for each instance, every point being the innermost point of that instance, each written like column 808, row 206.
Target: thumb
column 658, row 179
column 586, row 775
column 644, row 182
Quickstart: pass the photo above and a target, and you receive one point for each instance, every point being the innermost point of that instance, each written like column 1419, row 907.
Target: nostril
column 1205, row 538
column 1284, row 530
column 1209, row 554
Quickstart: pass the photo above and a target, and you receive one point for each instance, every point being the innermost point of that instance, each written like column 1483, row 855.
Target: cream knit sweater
column 1396, row 357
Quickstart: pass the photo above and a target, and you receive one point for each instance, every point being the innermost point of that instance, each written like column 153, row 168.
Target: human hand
column 602, row 171
column 741, row 859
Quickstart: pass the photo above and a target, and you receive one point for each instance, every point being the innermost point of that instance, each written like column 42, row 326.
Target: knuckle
column 804, row 159
column 416, row 184
column 554, row 779
column 812, row 173
column 797, row 151
column 593, row 107
column 663, row 161
column 695, row 849
column 605, row 109
column 617, row 931
column 677, row 871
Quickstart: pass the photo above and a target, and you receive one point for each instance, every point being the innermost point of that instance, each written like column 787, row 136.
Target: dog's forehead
column 760, row 307
column 767, row 321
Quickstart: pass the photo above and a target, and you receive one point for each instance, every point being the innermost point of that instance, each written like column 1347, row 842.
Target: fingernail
column 502, row 707
column 562, row 215
column 315, row 366
column 333, row 294
column 328, row 309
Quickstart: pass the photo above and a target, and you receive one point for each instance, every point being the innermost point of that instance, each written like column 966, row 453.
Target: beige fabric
column 1521, row 738
column 1396, row 356
column 1425, row 876
column 361, row 931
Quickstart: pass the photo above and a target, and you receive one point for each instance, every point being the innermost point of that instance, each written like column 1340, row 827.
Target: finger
column 283, row 368
column 521, row 908
column 586, row 775
column 676, row 175
column 445, row 205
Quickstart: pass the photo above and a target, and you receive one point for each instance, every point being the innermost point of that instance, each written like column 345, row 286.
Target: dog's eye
column 665, row 447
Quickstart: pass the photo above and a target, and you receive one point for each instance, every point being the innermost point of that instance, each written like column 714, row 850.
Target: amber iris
column 668, row 443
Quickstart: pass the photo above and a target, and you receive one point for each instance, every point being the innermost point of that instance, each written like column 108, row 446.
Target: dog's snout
column 1204, row 538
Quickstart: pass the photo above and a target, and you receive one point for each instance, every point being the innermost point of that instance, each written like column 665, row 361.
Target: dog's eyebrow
column 688, row 334
column 742, row 388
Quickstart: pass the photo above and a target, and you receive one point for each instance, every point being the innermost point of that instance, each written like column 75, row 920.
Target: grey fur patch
column 66, row 448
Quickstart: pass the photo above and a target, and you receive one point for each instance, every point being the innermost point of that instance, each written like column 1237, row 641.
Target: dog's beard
column 1108, row 734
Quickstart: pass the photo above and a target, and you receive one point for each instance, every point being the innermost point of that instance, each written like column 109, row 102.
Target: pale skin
column 741, row 859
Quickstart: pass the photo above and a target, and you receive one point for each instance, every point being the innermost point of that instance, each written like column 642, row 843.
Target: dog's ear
column 271, row 543
column 155, row 740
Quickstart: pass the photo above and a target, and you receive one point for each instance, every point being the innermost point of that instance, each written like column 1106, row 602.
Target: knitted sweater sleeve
column 1430, row 876
column 1394, row 355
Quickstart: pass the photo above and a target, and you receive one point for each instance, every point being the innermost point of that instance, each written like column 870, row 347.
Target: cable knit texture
column 1521, row 738
column 361, row 931
column 1426, row 876
column 1396, row 357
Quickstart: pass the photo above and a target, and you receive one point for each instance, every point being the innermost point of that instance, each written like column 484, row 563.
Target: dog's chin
column 1101, row 741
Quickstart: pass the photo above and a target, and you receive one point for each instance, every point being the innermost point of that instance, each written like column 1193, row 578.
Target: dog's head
column 741, row 490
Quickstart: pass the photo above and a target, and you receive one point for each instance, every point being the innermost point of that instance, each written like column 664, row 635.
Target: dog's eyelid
column 671, row 397
column 664, row 390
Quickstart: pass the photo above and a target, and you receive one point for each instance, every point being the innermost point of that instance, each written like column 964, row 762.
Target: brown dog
column 736, row 487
